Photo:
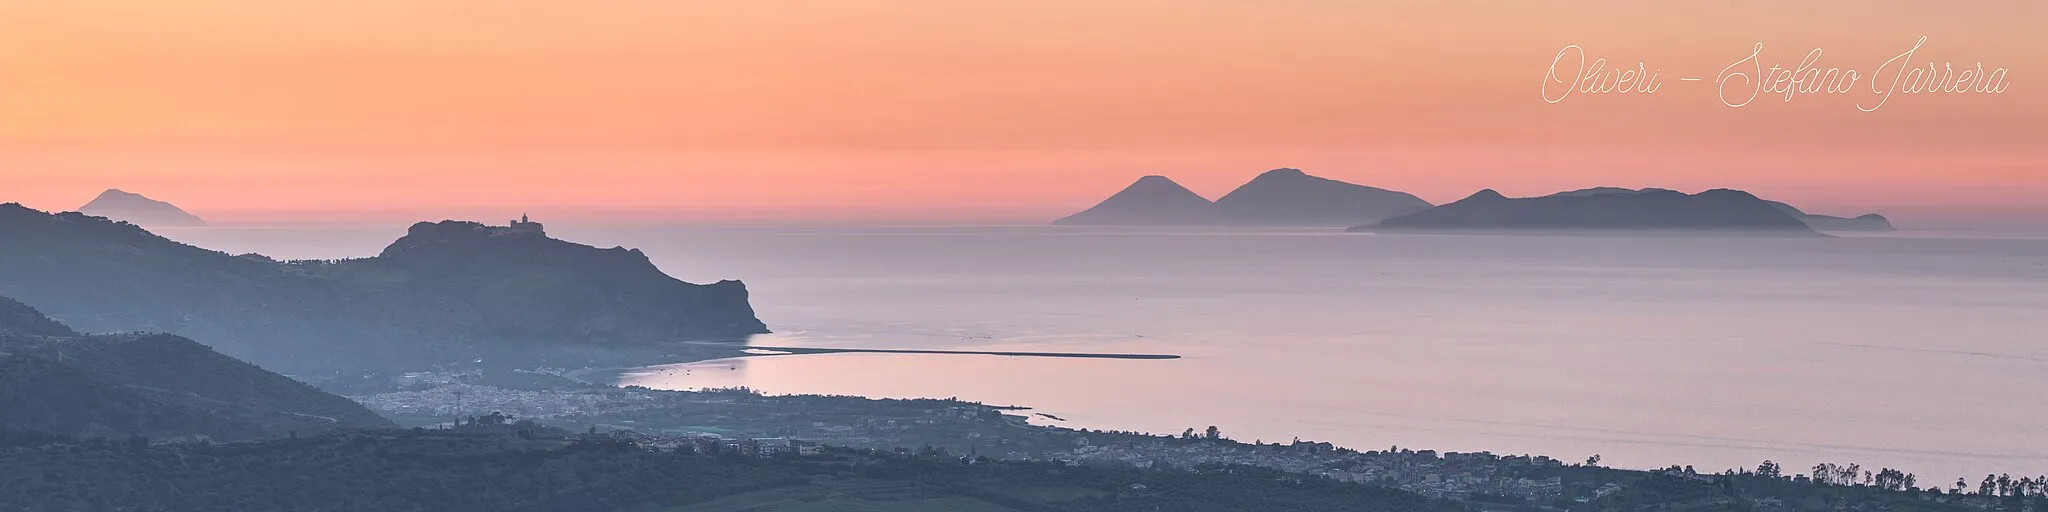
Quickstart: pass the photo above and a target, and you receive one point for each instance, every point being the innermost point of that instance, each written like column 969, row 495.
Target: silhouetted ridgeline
column 1713, row 211
column 134, row 208
column 1152, row 200
column 446, row 292
column 1865, row 222
column 1279, row 197
column 153, row 385
column 1289, row 197
column 21, row 319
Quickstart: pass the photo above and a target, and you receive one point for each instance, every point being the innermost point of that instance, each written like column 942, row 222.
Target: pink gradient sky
column 947, row 111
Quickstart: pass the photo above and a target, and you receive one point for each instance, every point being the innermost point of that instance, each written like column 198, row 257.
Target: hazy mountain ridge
column 153, row 385
column 1718, row 210
column 445, row 292
column 138, row 209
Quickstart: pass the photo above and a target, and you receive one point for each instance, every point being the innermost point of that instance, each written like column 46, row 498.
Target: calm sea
column 1926, row 352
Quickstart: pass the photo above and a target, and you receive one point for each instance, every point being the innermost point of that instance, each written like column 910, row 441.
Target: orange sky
column 942, row 110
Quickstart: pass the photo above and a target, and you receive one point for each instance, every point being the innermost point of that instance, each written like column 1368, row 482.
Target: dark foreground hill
column 43, row 395
column 21, row 319
column 447, row 471
column 1289, row 197
column 161, row 386
column 530, row 469
column 1719, row 211
column 446, row 292
column 134, row 208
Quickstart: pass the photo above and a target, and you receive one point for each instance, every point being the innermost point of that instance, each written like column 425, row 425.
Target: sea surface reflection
column 1912, row 351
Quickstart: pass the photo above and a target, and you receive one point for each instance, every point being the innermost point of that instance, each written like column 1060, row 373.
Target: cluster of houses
column 764, row 447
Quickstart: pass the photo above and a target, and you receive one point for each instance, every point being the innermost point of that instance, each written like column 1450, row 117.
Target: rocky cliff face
column 447, row 292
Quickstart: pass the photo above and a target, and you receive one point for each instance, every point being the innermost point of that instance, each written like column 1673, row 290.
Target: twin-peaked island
column 1280, row 197
column 1289, row 197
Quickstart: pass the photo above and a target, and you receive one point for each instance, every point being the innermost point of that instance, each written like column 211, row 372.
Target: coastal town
column 742, row 420
column 746, row 422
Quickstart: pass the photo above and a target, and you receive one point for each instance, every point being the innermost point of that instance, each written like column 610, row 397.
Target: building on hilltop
column 526, row 225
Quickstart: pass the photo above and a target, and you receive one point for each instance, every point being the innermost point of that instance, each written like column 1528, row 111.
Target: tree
column 1593, row 461
column 1769, row 470
column 1824, row 473
column 1892, row 480
column 1212, row 433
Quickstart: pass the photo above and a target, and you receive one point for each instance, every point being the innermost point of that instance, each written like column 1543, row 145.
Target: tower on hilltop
column 526, row 225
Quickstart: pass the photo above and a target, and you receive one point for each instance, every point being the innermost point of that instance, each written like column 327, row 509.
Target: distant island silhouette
column 1718, row 211
column 1290, row 197
column 1278, row 197
column 136, row 209
column 1866, row 222
column 1152, row 200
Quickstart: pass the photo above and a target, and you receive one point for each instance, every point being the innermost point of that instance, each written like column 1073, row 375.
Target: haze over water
column 1919, row 352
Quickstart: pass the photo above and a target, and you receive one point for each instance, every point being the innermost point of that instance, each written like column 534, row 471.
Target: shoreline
column 1080, row 355
column 1035, row 419
column 749, row 351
